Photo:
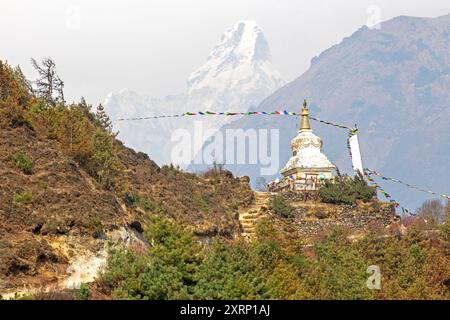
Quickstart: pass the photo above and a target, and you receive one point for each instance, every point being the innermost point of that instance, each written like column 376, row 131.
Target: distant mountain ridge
column 395, row 84
column 237, row 75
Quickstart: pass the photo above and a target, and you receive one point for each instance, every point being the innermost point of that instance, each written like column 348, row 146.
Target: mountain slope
column 236, row 76
column 57, row 214
column 395, row 84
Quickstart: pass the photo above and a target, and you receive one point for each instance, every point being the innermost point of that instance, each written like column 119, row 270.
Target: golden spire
column 304, row 124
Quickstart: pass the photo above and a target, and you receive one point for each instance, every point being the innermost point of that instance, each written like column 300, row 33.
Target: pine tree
column 87, row 110
column 103, row 119
column 49, row 86
column 23, row 81
column 106, row 164
column 83, row 104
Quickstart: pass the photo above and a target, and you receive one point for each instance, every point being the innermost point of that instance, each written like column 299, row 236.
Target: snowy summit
column 237, row 75
column 240, row 61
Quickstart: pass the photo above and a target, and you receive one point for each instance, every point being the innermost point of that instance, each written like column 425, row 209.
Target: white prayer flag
column 356, row 154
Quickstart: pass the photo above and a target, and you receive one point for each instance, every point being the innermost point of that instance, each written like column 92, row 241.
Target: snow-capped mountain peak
column 240, row 60
column 245, row 41
column 237, row 75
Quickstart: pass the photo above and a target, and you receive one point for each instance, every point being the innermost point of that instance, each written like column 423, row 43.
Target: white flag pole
column 356, row 154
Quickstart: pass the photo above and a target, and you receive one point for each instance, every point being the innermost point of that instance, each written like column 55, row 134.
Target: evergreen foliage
column 24, row 197
column 281, row 207
column 103, row 119
column 23, row 162
column 104, row 161
column 272, row 267
column 346, row 190
column 49, row 85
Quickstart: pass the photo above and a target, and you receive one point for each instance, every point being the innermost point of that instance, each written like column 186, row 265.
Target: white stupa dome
column 307, row 150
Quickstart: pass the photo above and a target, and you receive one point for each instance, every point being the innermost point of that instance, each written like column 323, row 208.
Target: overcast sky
column 152, row 46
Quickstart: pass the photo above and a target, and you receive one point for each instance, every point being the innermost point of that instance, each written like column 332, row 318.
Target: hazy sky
column 152, row 46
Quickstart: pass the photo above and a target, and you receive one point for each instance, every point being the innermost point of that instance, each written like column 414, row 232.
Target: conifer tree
column 48, row 86
column 103, row 119
column 83, row 104
column 23, row 80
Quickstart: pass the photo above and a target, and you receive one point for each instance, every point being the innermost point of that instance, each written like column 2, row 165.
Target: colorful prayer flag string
column 332, row 124
column 406, row 184
column 385, row 194
column 228, row 114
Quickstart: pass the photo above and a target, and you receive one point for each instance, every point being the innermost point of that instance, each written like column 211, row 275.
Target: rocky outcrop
column 79, row 260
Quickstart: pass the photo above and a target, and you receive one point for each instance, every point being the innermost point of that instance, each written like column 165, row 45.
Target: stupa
column 308, row 166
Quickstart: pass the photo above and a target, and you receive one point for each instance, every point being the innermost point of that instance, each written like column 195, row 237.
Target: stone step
column 250, row 217
column 250, row 214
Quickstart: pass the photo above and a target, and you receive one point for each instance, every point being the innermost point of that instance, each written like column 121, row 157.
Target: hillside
column 66, row 180
column 395, row 84
column 84, row 217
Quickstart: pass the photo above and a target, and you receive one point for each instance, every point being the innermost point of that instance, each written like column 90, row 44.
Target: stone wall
column 313, row 217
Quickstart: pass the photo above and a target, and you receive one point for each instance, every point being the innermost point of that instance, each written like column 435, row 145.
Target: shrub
column 335, row 193
column 133, row 199
column 201, row 203
column 265, row 230
column 339, row 270
column 130, row 199
column 346, row 190
column 67, row 125
column 170, row 169
column 167, row 271
column 22, row 162
column 83, row 292
column 13, row 84
column 147, row 204
column 104, row 160
column 96, row 227
column 230, row 271
column 24, row 197
column 285, row 283
column 268, row 253
column 14, row 115
column 281, row 207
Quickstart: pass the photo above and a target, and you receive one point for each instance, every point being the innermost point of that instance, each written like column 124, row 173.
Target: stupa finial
column 304, row 124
